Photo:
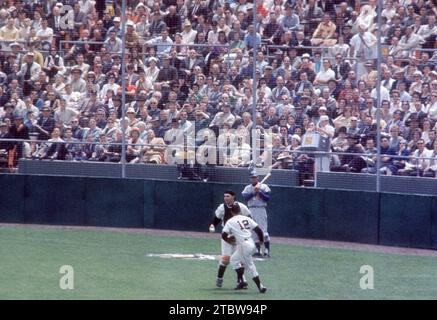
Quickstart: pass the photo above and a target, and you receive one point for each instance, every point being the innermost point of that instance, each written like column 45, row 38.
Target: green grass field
column 115, row 265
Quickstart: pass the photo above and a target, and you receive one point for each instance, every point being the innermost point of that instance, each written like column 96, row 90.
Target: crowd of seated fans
column 189, row 66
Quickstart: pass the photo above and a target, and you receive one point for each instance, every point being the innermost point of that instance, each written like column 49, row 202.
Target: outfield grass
column 114, row 265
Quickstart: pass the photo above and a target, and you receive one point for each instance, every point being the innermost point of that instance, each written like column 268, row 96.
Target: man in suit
column 167, row 73
column 196, row 10
column 193, row 60
column 56, row 147
column 173, row 21
column 157, row 25
column 45, row 124
column 18, row 131
column 326, row 6
column 341, row 67
column 300, row 42
column 54, row 22
column 179, row 64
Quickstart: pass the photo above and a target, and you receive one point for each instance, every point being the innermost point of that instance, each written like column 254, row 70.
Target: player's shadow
column 225, row 291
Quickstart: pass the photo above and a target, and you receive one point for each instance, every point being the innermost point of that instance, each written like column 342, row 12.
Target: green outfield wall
column 314, row 213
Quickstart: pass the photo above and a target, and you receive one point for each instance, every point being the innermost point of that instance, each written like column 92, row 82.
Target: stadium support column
column 254, row 83
column 123, row 88
column 378, row 100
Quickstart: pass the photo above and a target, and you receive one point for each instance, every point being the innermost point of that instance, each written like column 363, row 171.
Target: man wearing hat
column 188, row 34
column 29, row 72
column 257, row 195
column 132, row 37
column 16, row 50
column 168, row 72
column 77, row 83
column 116, row 27
column 29, row 68
column 45, row 124
column 222, row 215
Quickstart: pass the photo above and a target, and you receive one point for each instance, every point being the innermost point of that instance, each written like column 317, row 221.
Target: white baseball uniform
column 224, row 213
column 241, row 228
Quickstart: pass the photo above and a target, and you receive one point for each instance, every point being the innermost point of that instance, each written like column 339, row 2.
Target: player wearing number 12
column 239, row 229
column 223, row 214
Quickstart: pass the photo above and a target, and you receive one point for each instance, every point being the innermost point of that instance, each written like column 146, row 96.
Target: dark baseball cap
column 235, row 208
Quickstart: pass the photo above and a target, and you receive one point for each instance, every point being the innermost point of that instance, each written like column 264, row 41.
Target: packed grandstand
column 81, row 80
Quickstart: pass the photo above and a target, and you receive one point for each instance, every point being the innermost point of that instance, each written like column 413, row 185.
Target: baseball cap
column 235, row 208
column 253, row 174
column 323, row 108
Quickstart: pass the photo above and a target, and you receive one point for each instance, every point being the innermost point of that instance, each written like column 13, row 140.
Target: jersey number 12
column 245, row 224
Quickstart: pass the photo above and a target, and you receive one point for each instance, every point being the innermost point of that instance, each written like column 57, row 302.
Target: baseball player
column 238, row 230
column 257, row 195
column 223, row 214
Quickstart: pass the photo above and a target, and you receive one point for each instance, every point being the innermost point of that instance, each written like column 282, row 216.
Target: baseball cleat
column 263, row 289
column 241, row 285
column 219, row 282
column 257, row 255
column 266, row 255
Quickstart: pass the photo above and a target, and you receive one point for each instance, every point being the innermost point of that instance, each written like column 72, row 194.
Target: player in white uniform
column 223, row 214
column 238, row 229
column 257, row 194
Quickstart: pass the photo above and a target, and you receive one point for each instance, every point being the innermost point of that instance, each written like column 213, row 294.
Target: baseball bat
column 265, row 178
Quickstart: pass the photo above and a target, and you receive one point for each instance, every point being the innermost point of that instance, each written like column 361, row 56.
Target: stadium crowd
column 189, row 66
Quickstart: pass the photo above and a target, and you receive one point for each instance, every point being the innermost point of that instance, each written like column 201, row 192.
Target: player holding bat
column 257, row 194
